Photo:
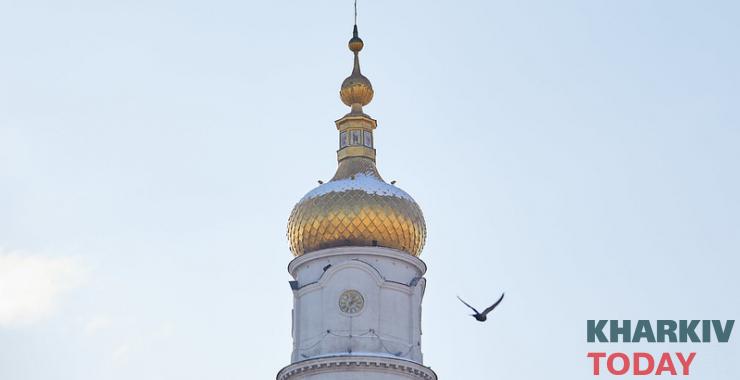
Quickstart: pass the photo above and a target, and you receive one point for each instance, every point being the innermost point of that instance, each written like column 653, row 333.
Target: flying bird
column 481, row 317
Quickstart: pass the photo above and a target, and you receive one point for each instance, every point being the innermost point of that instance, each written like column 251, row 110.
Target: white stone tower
column 358, row 282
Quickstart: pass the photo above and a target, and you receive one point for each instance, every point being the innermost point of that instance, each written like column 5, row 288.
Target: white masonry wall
column 389, row 325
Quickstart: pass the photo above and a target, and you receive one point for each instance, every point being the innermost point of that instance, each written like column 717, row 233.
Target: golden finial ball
column 356, row 44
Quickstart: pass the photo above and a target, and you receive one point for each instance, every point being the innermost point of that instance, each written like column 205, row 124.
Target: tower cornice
column 358, row 251
column 364, row 363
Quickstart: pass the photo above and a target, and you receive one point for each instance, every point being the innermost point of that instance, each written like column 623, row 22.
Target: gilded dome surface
column 356, row 208
column 356, row 89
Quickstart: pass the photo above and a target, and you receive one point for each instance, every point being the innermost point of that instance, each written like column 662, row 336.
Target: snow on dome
column 367, row 183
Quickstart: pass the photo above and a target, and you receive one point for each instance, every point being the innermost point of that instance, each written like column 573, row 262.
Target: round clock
column 351, row 301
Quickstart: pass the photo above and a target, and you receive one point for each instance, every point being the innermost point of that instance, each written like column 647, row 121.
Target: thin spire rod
column 355, row 12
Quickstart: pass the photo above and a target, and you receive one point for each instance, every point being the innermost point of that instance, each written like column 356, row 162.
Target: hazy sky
column 580, row 155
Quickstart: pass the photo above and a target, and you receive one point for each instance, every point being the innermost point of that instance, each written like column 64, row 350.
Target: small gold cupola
column 356, row 128
column 356, row 91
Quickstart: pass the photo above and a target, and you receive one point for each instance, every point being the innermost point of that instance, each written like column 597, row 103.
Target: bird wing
column 488, row 310
column 466, row 304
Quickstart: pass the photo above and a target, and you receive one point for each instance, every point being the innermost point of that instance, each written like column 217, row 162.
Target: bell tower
column 358, row 282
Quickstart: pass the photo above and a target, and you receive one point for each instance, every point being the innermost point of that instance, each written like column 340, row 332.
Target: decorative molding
column 341, row 363
column 361, row 251
column 373, row 272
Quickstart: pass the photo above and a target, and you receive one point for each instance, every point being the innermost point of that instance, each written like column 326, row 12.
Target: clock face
column 351, row 301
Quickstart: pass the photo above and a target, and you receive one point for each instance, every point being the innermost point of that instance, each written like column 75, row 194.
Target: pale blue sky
column 580, row 155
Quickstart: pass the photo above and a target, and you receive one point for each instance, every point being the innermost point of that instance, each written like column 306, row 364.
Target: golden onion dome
column 356, row 207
